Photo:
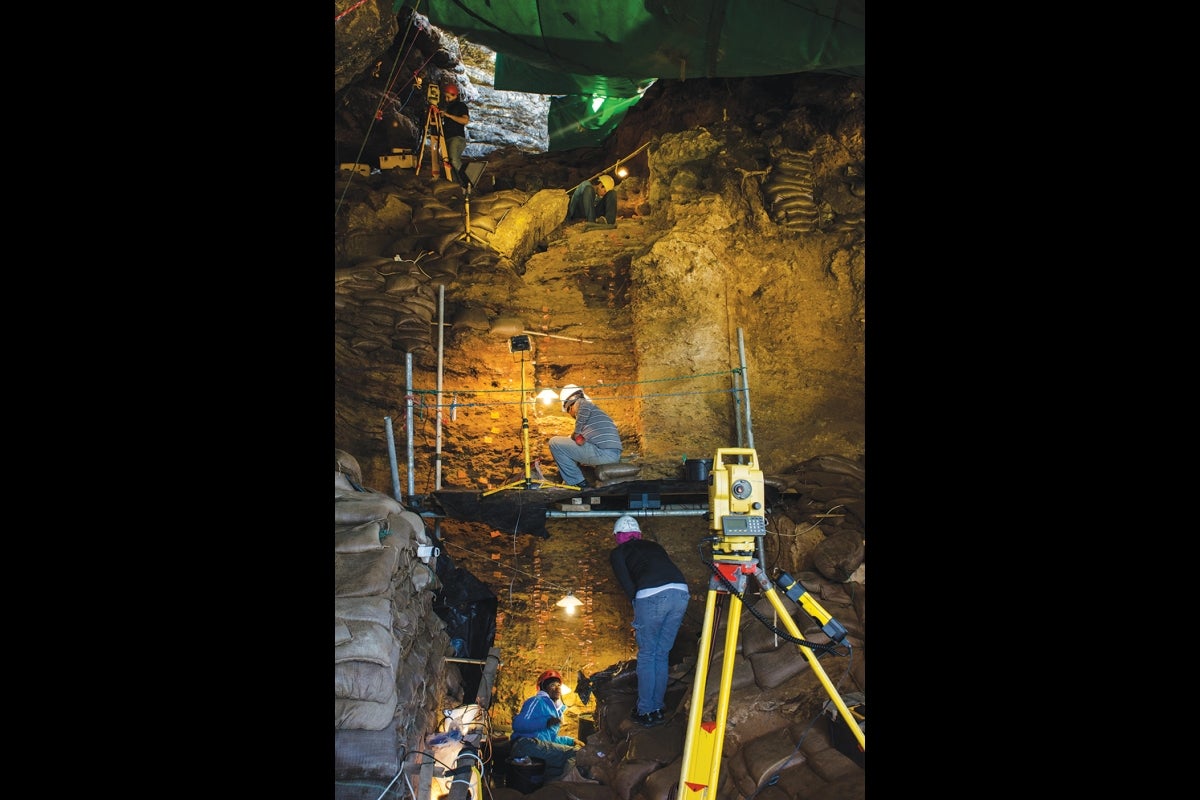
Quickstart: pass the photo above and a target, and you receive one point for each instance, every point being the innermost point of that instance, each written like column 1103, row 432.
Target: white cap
column 626, row 524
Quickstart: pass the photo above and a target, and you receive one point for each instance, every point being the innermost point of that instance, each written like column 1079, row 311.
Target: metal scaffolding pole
column 690, row 511
column 437, row 476
column 408, row 382
column 737, row 407
column 745, row 390
column 391, row 443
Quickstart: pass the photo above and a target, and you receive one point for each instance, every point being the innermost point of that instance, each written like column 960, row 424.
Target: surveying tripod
column 736, row 494
column 436, row 137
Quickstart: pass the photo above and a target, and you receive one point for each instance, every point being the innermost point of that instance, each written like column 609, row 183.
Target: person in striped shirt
column 594, row 441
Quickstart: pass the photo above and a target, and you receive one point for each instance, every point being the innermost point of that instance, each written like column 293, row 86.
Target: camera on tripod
column 433, row 94
column 737, row 493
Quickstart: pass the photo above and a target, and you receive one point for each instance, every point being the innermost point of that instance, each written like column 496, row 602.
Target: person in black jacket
column 455, row 118
column 659, row 592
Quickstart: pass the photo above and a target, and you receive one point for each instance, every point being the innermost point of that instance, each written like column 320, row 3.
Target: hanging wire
column 459, row 403
column 387, row 96
column 429, row 411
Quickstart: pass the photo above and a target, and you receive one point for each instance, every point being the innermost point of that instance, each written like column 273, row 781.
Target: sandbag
column 356, row 539
column 367, row 609
column 366, row 754
column 356, row 508
column 507, row 326
column 364, row 715
column 472, row 319
column 838, row 556
column 344, row 462
column 769, row 755
column 364, row 574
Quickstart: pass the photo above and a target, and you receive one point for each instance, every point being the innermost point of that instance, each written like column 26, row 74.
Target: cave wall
column 705, row 247
column 724, row 266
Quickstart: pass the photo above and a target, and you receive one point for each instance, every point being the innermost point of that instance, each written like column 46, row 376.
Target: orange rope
column 354, row 7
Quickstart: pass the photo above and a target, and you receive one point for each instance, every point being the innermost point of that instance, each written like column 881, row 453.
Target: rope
column 387, row 96
column 460, row 404
column 354, row 7
column 613, row 168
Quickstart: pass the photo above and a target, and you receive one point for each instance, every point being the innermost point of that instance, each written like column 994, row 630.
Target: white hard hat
column 626, row 524
column 568, row 391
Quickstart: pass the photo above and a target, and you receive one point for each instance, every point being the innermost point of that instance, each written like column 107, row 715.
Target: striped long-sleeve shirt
column 596, row 426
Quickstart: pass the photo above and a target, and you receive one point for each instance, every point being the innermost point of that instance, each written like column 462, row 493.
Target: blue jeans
column 583, row 203
column 656, row 620
column 568, row 456
column 559, row 758
column 454, row 150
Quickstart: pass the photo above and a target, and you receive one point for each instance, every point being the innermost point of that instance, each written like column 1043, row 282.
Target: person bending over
column 659, row 592
column 594, row 200
column 535, row 728
column 595, row 439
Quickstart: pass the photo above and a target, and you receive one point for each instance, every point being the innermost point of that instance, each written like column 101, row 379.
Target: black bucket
column 527, row 777
column 697, row 468
column 587, row 726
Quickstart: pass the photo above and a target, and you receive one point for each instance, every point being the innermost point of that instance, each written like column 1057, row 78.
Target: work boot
column 648, row 720
column 582, row 485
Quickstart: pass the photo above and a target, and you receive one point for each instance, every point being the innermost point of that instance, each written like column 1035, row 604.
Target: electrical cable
column 387, row 95
column 731, row 589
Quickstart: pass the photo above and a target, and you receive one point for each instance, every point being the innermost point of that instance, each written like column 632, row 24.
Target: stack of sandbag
column 390, row 680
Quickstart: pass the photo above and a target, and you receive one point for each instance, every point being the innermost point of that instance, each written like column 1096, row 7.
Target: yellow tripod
column 736, row 502
column 522, row 344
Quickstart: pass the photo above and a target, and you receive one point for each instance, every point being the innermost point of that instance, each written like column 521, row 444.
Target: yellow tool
column 522, row 345
column 737, row 509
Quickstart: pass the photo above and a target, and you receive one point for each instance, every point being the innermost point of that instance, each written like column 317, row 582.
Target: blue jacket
column 531, row 721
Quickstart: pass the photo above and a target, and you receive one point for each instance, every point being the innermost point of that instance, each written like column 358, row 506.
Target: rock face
column 742, row 236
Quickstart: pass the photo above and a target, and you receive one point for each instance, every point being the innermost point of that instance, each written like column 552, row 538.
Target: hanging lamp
column 570, row 603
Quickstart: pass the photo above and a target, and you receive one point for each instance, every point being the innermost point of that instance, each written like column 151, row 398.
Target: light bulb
column 570, row 603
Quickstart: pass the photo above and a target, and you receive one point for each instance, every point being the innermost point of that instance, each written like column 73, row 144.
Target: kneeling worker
column 594, row 201
column 535, row 728
column 595, row 439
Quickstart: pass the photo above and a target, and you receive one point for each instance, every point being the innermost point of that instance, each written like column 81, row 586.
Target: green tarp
column 615, row 48
column 584, row 109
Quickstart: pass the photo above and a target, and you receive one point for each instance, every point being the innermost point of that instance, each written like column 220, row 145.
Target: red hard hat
column 547, row 675
column 452, row 91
